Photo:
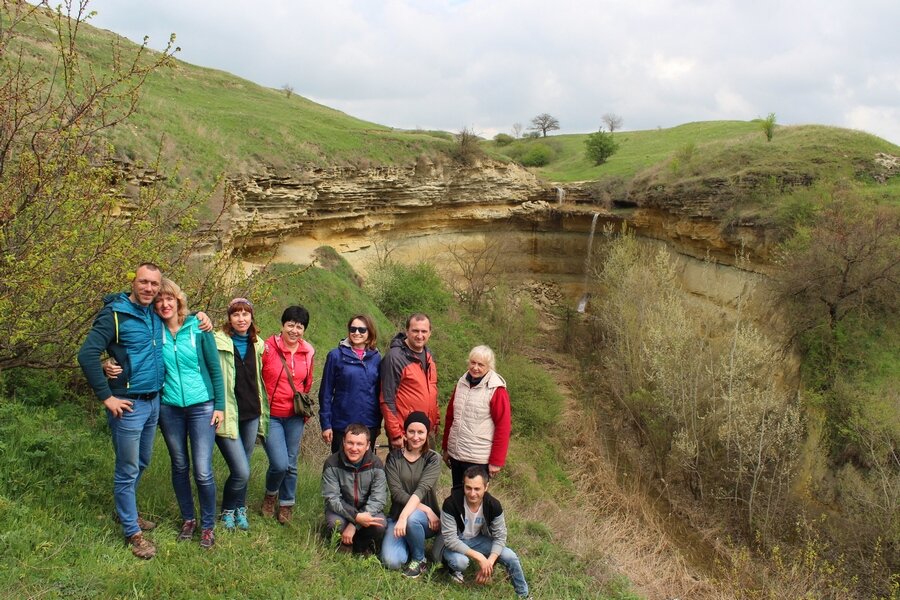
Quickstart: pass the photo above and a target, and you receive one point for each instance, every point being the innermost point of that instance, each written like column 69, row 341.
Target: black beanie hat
column 417, row 417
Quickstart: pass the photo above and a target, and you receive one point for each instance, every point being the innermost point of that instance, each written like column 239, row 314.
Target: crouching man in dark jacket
column 473, row 528
column 355, row 492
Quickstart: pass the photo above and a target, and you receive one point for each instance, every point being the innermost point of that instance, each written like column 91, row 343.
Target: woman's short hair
column 238, row 305
column 170, row 288
column 484, row 353
column 295, row 314
column 370, row 325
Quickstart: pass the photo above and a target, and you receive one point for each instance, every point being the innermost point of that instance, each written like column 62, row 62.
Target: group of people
column 230, row 387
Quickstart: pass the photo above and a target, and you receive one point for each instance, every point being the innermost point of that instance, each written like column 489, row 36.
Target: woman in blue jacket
column 193, row 399
column 348, row 392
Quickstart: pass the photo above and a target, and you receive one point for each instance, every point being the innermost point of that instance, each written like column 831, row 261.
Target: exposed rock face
column 343, row 201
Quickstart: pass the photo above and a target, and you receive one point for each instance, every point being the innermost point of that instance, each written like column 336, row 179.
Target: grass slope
column 58, row 538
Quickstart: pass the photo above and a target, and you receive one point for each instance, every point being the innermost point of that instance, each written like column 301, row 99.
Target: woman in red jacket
column 287, row 365
column 478, row 419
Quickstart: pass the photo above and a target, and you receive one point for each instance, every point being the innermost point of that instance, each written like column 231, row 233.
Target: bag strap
column 290, row 372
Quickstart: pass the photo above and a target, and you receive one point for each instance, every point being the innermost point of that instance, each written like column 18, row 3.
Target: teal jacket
column 226, row 361
column 132, row 334
column 193, row 374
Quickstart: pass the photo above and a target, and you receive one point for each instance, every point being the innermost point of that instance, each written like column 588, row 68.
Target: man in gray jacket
column 355, row 492
column 474, row 529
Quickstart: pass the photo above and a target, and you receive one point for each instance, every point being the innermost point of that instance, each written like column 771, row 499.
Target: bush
column 400, row 290
column 600, row 146
column 537, row 156
column 502, row 139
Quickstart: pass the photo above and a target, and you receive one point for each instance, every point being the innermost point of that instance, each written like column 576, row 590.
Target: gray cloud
column 489, row 63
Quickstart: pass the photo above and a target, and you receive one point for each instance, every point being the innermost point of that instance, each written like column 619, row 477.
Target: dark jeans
column 237, row 453
column 365, row 538
column 180, row 425
column 458, row 467
column 337, row 438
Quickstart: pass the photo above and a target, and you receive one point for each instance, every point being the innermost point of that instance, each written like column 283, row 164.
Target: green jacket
column 192, row 367
column 226, row 362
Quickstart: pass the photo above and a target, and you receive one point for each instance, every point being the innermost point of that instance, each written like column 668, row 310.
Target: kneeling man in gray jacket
column 355, row 492
column 473, row 528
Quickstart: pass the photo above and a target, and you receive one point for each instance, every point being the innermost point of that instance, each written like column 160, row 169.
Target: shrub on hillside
column 537, row 155
column 400, row 290
column 503, row 139
column 600, row 146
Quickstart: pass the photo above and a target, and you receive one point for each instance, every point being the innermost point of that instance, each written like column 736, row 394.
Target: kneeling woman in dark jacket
column 412, row 474
column 350, row 383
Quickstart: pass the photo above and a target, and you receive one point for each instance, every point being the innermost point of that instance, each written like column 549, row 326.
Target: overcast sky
column 486, row 64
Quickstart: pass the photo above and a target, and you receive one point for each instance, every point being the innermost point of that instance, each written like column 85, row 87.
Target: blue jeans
column 132, row 440
column 508, row 558
column 178, row 425
column 283, row 448
column 237, row 453
column 396, row 551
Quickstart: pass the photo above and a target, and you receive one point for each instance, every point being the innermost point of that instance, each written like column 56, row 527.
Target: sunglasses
column 358, row 329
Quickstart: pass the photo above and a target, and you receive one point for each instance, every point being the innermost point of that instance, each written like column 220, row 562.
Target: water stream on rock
column 582, row 304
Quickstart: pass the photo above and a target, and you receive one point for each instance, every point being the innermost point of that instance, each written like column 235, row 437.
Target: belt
column 149, row 396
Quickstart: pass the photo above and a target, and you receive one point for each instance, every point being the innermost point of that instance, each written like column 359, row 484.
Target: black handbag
column 304, row 405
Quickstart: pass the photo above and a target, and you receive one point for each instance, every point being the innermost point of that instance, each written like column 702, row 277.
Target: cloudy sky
column 487, row 64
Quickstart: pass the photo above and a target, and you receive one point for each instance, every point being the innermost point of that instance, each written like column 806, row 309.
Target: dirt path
column 626, row 534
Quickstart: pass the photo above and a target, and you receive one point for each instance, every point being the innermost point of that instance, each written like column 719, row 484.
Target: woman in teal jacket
column 191, row 409
column 246, row 406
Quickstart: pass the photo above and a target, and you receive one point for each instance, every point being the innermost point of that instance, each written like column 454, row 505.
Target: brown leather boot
column 285, row 513
column 268, row 505
column 141, row 546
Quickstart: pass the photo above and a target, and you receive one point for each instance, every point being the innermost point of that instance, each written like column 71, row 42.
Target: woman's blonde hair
column 169, row 287
column 486, row 354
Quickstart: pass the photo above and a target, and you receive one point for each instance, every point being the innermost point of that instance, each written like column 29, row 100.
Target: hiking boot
column 141, row 546
column 268, row 505
column 240, row 518
column 144, row 524
column 207, row 539
column 187, row 531
column 457, row 576
column 285, row 513
column 228, row 520
column 415, row 568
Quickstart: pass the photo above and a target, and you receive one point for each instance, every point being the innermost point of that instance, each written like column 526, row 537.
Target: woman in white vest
column 478, row 419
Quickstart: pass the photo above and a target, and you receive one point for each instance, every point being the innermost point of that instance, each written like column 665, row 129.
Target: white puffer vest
column 472, row 433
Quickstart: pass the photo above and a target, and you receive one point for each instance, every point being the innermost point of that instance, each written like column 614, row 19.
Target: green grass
column 58, row 537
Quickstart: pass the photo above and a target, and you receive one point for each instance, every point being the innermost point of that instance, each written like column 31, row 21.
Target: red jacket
column 407, row 387
column 275, row 376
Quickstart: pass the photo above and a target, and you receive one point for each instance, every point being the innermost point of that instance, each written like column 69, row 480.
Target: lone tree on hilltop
column 517, row 130
column 544, row 122
column 288, row 90
column 768, row 126
column 600, row 146
column 612, row 121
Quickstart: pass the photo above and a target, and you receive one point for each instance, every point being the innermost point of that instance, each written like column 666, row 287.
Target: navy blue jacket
column 348, row 392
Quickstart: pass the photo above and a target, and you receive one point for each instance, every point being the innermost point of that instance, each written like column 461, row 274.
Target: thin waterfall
column 582, row 304
column 560, row 195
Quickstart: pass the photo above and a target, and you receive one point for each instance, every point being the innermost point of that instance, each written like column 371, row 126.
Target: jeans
column 508, row 558
column 237, row 453
column 364, row 539
column 396, row 551
column 132, row 440
column 178, row 425
column 283, row 448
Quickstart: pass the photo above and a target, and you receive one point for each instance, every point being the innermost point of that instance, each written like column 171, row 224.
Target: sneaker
column 457, row 577
column 285, row 513
column 187, row 531
column 415, row 568
column 207, row 539
column 240, row 518
column 268, row 505
column 228, row 520
column 141, row 546
column 144, row 524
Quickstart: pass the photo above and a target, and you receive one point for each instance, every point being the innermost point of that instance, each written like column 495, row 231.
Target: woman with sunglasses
column 350, row 382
